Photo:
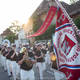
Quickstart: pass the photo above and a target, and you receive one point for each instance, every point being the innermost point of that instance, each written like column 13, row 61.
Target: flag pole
column 67, row 15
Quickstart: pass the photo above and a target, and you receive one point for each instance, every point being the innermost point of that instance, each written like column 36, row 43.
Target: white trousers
column 13, row 63
column 8, row 64
column 2, row 60
column 41, row 67
column 17, row 71
column 27, row 75
column 47, row 58
column 4, row 63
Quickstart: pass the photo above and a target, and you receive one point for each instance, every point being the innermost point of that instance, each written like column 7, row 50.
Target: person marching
column 8, row 61
column 4, row 51
column 26, row 66
column 18, row 61
column 40, row 61
column 0, row 54
column 2, row 57
column 13, row 61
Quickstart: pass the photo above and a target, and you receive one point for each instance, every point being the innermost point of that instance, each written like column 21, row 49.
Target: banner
column 67, row 48
column 47, row 22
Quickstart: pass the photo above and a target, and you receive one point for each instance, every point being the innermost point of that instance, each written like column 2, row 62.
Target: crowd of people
column 20, row 61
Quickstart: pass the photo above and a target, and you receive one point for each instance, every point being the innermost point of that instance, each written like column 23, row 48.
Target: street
column 3, row 75
column 48, row 75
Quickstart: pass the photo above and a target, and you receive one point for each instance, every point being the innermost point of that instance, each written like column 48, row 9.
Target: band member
column 26, row 65
column 0, row 53
column 13, row 61
column 4, row 58
column 8, row 62
column 4, row 51
column 47, row 60
column 40, row 61
column 53, row 60
column 43, row 49
column 18, row 61
column 19, row 58
column 31, row 54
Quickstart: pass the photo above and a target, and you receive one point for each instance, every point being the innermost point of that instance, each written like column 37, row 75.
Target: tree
column 47, row 35
column 37, row 22
column 15, row 27
column 10, row 35
column 77, row 22
column 73, row 1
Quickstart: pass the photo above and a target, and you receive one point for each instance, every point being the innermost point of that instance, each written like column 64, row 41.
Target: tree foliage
column 73, row 1
column 47, row 34
column 37, row 22
column 11, row 37
column 15, row 27
column 77, row 22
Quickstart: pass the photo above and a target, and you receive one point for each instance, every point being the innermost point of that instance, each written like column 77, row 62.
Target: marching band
column 20, row 63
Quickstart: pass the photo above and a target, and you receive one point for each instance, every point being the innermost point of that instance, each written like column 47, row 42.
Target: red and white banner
column 47, row 22
column 67, row 48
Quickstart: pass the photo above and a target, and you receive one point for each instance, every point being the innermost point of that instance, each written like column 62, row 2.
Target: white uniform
column 41, row 67
column 8, row 64
column 2, row 60
column 4, row 63
column 47, row 59
column 27, row 72
column 14, row 65
column 27, row 75
column 17, row 71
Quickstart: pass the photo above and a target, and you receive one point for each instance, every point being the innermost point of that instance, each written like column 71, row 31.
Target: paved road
column 3, row 75
column 47, row 75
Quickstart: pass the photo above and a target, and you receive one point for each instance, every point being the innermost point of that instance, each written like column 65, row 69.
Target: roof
column 73, row 8
column 44, row 7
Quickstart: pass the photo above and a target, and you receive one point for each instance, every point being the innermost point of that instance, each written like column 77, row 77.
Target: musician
column 40, row 61
column 31, row 53
column 4, row 58
column 43, row 49
column 0, row 53
column 13, row 58
column 19, row 61
column 53, row 60
column 11, row 61
column 26, row 65
column 4, row 51
column 8, row 62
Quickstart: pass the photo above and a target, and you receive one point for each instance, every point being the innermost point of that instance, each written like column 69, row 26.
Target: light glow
column 20, row 10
